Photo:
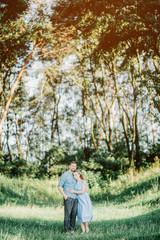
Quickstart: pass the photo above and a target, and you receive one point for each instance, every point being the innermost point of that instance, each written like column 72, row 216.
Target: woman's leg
column 86, row 226
column 83, row 227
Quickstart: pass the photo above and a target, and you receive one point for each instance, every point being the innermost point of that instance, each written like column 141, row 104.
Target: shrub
column 48, row 165
column 105, row 162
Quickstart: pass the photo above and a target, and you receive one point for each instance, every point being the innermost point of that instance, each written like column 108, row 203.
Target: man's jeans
column 70, row 212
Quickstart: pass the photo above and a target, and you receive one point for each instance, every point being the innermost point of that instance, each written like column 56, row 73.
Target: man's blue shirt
column 67, row 182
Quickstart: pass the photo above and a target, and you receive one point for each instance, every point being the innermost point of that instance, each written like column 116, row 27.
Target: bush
column 105, row 162
column 48, row 165
column 154, row 152
column 19, row 167
column 2, row 162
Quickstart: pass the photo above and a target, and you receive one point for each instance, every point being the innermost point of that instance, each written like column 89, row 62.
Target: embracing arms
column 83, row 189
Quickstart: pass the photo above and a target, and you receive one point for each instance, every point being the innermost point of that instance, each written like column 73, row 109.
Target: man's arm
column 62, row 192
column 83, row 190
column 60, row 186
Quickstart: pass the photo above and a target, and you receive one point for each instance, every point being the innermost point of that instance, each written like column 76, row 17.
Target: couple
column 77, row 202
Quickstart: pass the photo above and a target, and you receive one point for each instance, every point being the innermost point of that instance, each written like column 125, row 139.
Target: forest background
column 79, row 81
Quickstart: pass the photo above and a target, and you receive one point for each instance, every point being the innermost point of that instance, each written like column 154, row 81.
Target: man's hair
column 73, row 162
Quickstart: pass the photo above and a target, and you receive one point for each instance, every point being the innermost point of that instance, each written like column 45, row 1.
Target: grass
column 29, row 192
column 110, row 222
column 129, row 210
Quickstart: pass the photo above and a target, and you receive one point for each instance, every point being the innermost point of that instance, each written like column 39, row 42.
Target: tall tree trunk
column 157, row 89
column 17, row 137
column 30, row 132
column 12, row 92
column 114, row 125
column 156, row 64
column 92, row 134
column 52, row 130
column 125, row 131
column 20, row 136
column 85, row 107
column 135, row 136
column 8, row 145
column 153, row 124
column 57, row 126
column 105, row 110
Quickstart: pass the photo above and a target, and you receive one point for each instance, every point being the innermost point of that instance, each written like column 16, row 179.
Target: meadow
column 124, row 209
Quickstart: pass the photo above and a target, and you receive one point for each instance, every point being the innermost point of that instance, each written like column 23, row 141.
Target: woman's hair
column 79, row 172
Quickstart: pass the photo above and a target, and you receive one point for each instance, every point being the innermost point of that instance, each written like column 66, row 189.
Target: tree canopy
column 94, row 72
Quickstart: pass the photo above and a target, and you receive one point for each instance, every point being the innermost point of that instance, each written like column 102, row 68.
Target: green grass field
column 129, row 209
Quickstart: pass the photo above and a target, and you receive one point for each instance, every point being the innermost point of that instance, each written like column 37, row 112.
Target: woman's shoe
column 87, row 230
column 82, row 232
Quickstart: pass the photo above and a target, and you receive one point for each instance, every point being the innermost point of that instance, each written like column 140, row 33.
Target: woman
column 84, row 212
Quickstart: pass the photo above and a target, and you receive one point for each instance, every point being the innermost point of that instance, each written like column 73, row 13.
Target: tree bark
column 8, row 146
column 153, row 124
column 92, row 134
column 12, row 92
column 114, row 125
column 125, row 131
column 135, row 136
column 30, row 132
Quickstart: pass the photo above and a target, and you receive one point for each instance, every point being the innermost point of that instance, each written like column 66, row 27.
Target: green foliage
column 51, row 163
column 14, row 44
column 151, row 156
column 107, row 33
column 127, row 187
column 57, row 170
column 28, row 191
column 108, row 164
column 10, row 10
column 118, row 22
column 2, row 162
column 154, row 151
column 19, row 167
column 120, row 149
column 5, row 164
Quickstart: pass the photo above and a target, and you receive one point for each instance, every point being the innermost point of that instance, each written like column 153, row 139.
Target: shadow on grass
column 10, row 193
column 138, row 188
column 137, row 228
column 154, row 236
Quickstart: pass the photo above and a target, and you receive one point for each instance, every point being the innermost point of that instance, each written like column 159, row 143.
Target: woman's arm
column 83, row 190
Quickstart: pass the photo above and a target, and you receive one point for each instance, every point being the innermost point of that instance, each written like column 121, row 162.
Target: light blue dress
column 84, row 211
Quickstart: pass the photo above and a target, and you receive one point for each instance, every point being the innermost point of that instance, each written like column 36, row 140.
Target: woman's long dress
column 84, row 212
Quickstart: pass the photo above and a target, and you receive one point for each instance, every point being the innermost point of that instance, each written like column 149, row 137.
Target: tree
column 38, row 38
column 122, row 29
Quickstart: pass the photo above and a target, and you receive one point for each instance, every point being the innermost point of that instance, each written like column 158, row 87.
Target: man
column 66, row 183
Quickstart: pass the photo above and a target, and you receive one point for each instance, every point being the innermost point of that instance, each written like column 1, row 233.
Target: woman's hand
column 71, row 191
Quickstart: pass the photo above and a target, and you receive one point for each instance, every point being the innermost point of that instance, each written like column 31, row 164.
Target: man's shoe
column 72, row 232
column 67, row 233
